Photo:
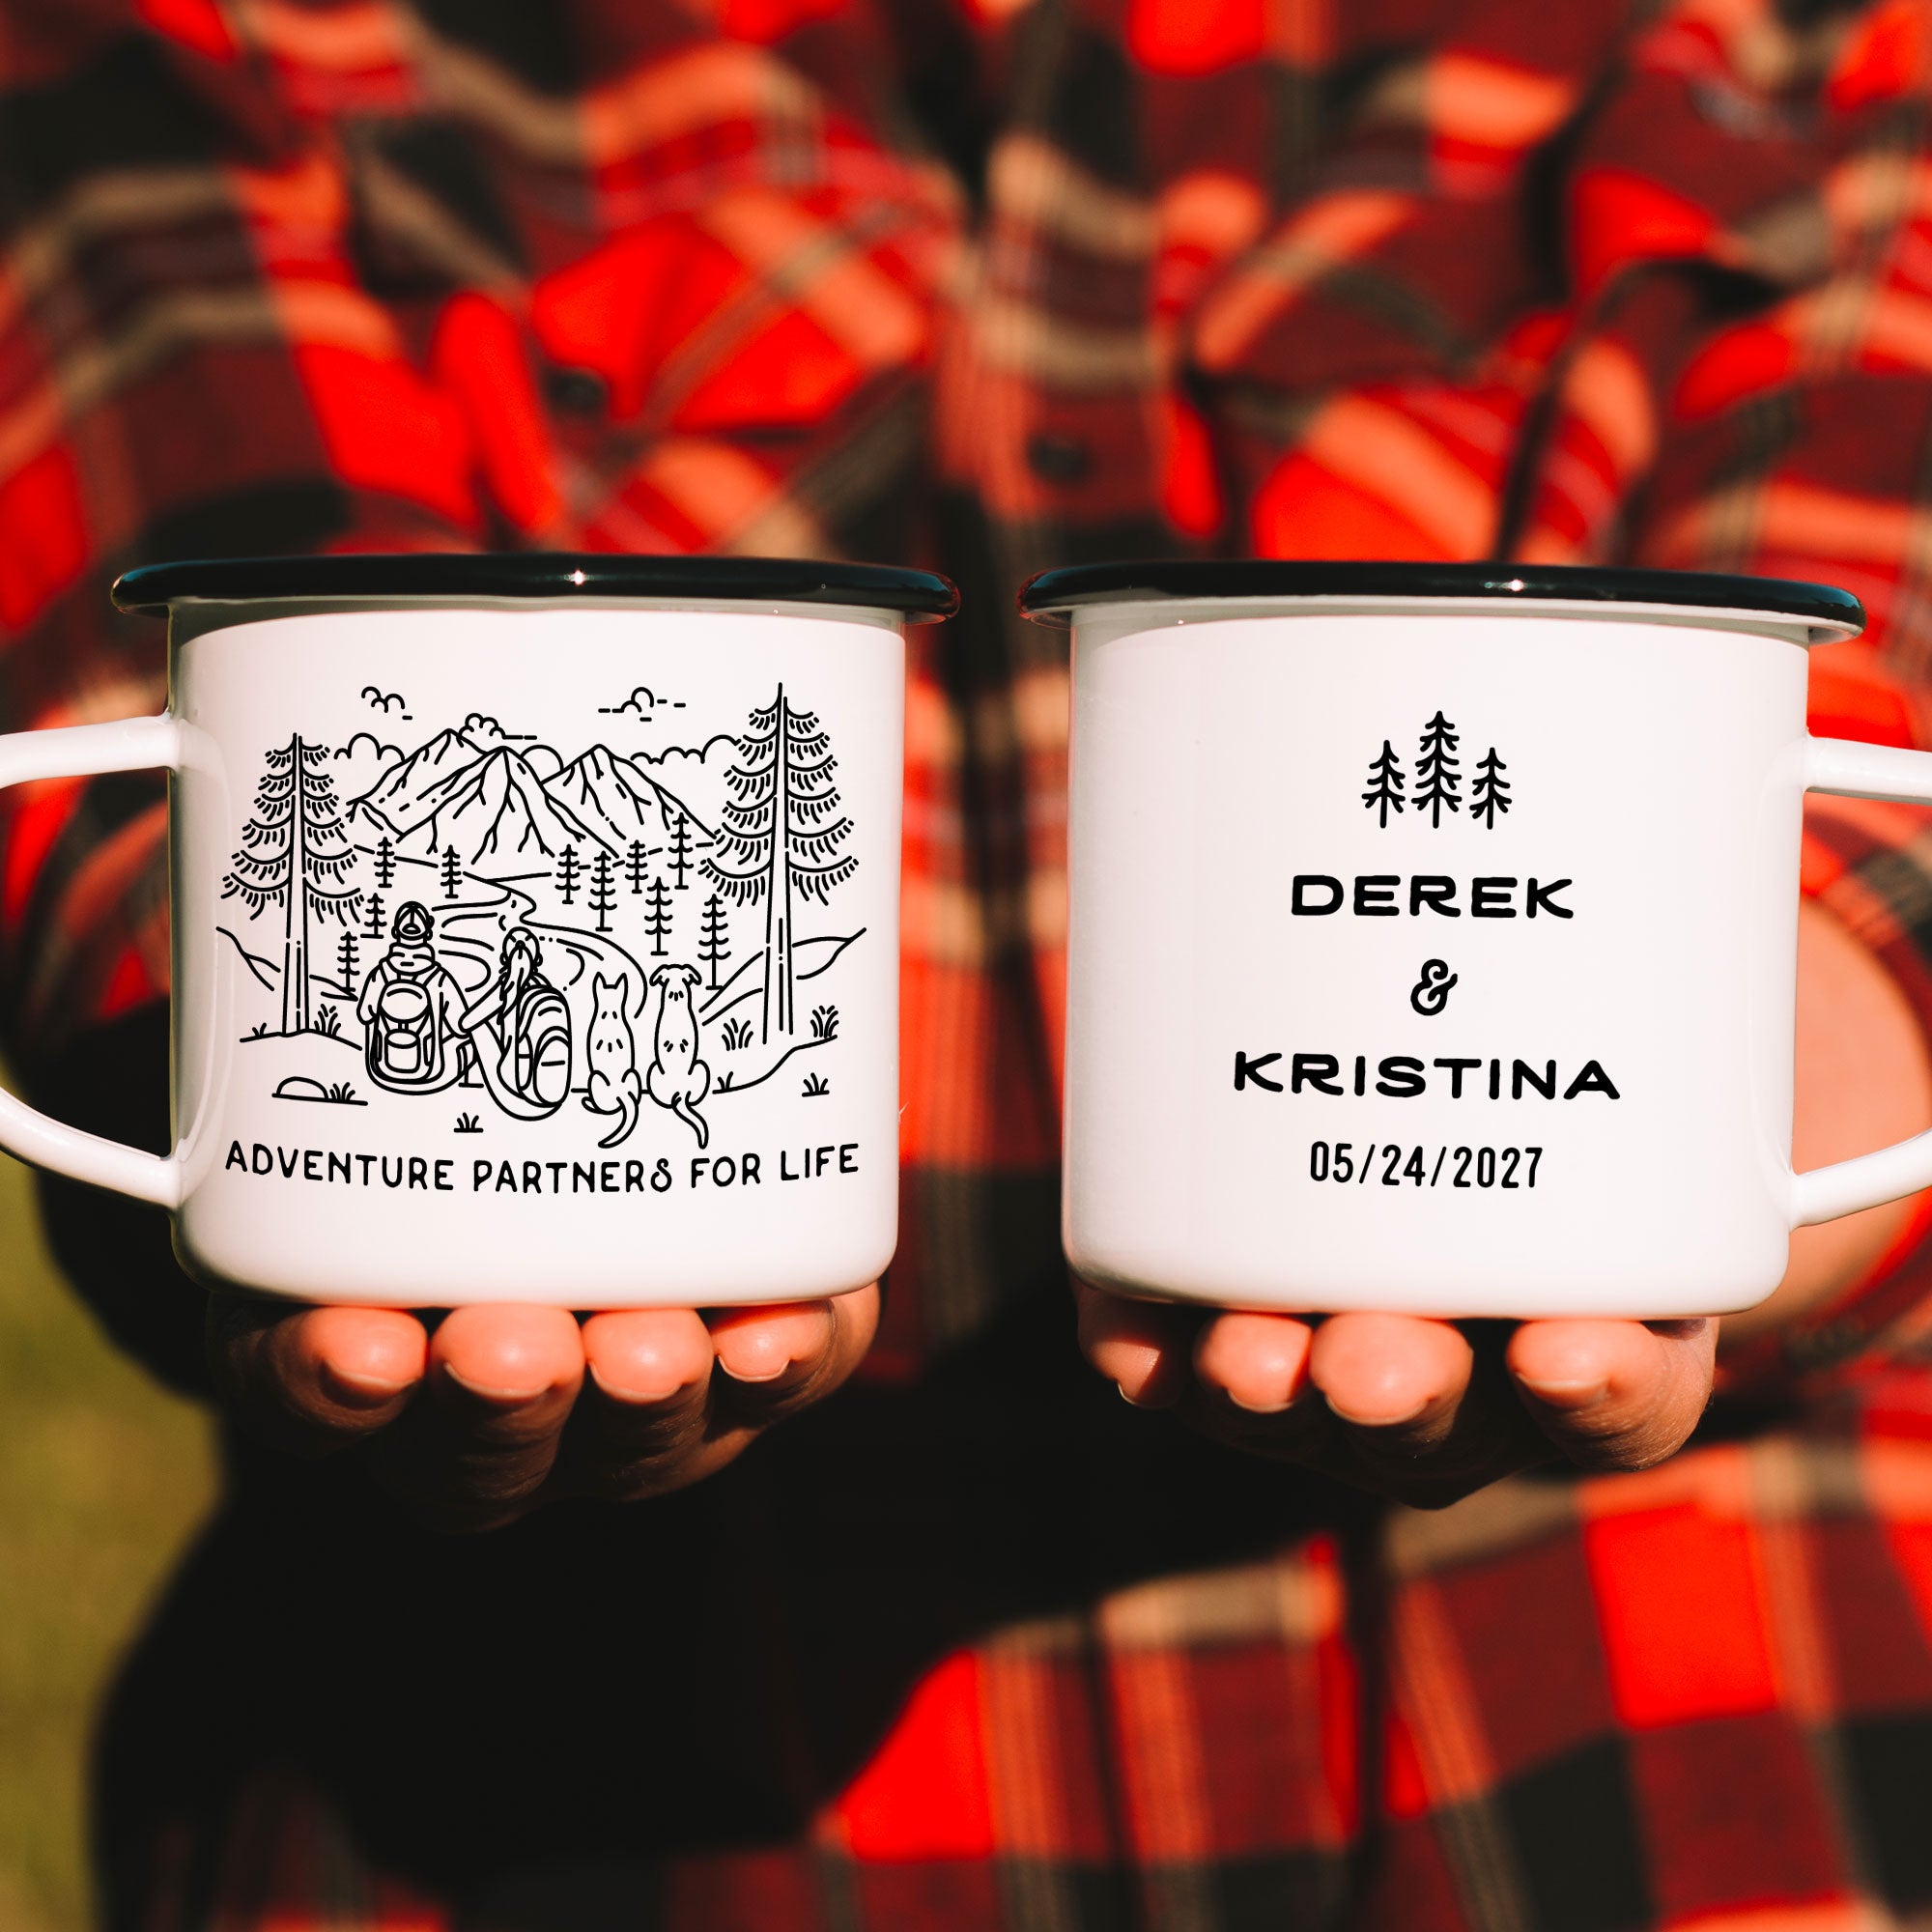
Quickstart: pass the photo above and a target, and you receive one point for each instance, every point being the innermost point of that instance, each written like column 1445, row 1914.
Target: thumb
column 1615, row 1395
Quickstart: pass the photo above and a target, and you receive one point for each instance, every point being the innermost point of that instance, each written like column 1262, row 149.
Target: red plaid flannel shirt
column 1047, row 281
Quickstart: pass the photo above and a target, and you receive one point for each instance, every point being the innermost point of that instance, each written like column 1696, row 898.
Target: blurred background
column 104, row 1478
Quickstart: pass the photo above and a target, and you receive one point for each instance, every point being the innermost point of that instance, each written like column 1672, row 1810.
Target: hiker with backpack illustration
column 523, row 1054
column 408, row 1007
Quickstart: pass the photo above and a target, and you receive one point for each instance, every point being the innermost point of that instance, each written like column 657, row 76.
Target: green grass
column 102, row 1477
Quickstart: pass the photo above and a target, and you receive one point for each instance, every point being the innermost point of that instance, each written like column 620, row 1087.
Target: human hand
column 1427, row 1411
column 476, row 1418
column 1420, row 1411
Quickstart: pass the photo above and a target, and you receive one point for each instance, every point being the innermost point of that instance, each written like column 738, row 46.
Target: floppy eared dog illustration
column 678, row 1078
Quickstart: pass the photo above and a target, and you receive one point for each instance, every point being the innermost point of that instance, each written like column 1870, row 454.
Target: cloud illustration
column 640, row 703
column 381, row 700
column 696, row 774
column 482, row 729
column 366, row 744
column 366, row 758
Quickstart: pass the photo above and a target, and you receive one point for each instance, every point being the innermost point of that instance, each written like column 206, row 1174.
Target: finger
column 772, row 1345
column 1614, row 1395
column 314, row 1380
column 1143, row 1347
column 1260, row 1362
column 778, row 1359
column 501, row 1381
column 643, row 1358
column 1397, row 1375
column 1426, row 1411
column 1407, row 1408
column 643, row 1417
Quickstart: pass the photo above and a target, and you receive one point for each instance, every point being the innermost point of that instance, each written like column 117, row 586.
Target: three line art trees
column 1438, row 779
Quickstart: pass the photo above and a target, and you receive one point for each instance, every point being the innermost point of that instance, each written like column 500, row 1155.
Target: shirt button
column 1057, row 457
column 575, row 392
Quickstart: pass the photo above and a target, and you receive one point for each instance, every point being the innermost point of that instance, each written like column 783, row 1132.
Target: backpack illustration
column 400, row 1041
column 539, row 1046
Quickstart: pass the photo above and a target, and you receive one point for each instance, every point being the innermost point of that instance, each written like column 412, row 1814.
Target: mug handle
column 82, row 751
column 1853, row 770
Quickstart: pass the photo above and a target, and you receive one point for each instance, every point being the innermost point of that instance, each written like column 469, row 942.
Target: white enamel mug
column 1433, row 934
column 535, row 925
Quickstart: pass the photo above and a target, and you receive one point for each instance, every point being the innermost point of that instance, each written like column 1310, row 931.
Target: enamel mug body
column 535, row 925
column 1434, row 935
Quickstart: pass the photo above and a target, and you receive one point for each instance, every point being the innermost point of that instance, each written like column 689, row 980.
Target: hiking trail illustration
column 561, row 935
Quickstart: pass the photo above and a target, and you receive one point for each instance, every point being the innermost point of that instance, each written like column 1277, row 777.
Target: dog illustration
column 611, row 1051
column 678, row 1078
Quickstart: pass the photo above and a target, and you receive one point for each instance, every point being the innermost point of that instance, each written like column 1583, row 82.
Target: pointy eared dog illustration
column 678, row 1078
column 612, row 1052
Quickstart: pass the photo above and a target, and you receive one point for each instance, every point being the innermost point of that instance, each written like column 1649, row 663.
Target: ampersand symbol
column 1431, row 993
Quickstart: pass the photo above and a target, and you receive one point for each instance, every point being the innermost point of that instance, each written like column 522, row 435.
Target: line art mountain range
column 488, row 800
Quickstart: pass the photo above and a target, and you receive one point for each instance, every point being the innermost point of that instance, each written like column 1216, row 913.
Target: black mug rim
column 921, row 596
column 1053, row 595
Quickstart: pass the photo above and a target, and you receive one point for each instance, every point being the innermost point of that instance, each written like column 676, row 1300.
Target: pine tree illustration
column 385, row 862
column 781, row 836
column 603, row 890
column 634, row 865
column 680, row 850
column 296, row 856
column 714, row 947
column 452, row 873
column 657, row 920
column 1386, row 782
column 374, row 929
column 1489, row 795
column 569, row 870
column 1437, row 783
column 345, row 962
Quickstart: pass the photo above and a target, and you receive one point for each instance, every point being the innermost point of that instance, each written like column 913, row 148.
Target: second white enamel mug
column 1433, row 933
